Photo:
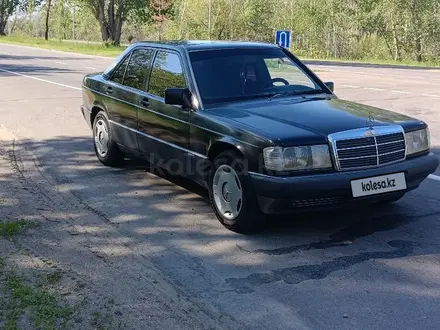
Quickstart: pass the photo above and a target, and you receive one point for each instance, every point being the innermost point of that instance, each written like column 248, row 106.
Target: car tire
column 232, row 196
column 106, row 148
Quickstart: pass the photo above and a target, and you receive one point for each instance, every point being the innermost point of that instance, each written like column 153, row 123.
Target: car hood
column 307, row 120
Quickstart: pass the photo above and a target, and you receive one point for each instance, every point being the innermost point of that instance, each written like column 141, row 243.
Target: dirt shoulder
column 82, row 266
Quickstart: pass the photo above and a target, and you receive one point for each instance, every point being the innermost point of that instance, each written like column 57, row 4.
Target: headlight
column 297, row 158
column 417, row 141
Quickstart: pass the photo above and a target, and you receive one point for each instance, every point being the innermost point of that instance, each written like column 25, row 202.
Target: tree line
column 349, row 29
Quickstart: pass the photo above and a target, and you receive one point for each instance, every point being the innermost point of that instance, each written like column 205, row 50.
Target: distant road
column 368, row 65
column 411, row 91
column 155, row 242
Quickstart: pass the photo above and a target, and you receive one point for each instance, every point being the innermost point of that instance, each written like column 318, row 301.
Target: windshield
column 238, row 74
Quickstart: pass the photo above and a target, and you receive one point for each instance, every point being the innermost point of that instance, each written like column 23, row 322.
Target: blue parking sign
column 282, row 38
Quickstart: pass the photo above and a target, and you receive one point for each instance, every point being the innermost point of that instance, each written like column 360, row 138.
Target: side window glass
column 118, row 74
column 139, row 66
column 167, row 73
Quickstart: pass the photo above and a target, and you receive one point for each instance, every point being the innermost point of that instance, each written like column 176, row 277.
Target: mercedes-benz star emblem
column 370, row 132
column 226, row 194
column 370, row 121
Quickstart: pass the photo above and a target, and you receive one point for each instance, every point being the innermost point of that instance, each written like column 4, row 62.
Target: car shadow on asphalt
column 40, row 70
column 72, row 161
column 45, row 58
column 350, row 223
column 286, row 224
column 135, row 211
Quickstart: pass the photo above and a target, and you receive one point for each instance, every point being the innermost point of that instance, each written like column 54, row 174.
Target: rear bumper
column 290, row 194
column 87, row 114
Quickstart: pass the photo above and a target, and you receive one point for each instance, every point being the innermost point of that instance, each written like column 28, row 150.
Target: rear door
column 165, row 127
column 124, row 93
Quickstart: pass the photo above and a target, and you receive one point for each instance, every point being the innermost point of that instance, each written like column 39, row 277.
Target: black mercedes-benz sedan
column 255, row 126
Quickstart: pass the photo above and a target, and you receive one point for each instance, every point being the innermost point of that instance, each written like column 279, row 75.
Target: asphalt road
column 361, row 269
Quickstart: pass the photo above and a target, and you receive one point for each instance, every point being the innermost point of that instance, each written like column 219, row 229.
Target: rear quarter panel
column 92, row 93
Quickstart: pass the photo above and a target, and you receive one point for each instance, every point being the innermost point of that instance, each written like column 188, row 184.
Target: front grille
column 354, row 143
column 368, row 147
column 358, row 162
column 306, row 203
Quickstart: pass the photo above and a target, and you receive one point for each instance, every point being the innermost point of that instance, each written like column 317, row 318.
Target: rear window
column 139, row 66
column 118, row 74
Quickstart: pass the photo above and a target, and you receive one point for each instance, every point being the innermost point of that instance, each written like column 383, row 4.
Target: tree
column 112, row 14
column 61, row 19
column 348, row 29
column 7, row 8
column 258, row 15
column 46, row 32
column 161, row 10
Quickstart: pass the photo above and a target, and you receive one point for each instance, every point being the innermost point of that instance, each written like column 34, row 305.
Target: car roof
column 194, row 45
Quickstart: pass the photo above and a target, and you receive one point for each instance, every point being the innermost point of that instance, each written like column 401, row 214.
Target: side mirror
column 330, row 85
column 178, row 96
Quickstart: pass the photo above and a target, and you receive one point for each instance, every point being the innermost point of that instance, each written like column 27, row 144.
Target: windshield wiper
column 294, row 93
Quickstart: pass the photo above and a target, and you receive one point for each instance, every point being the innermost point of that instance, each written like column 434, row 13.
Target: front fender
column 250, row 153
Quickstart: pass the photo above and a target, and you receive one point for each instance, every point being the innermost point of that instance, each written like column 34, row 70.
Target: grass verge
column 111, row 51
column 22, row 302
column 66, row 46
column 105, row 322
column 9, row 229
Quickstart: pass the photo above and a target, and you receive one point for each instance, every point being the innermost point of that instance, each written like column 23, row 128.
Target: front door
column 164, row 128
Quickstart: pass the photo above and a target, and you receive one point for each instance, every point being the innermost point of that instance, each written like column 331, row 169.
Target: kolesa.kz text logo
column 378, row 185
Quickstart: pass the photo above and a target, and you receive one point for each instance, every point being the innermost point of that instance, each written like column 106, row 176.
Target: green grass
column 105, row 322
column 49, row 279
column 41, row 306
column 67, row 46
column 111, row 51
column 9, row 229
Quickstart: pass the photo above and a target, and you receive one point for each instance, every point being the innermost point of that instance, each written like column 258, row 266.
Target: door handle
column 109, row 90
column 144, row 102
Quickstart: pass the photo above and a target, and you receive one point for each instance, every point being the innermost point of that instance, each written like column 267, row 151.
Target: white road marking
column 381, row 90
column 388, row 90
column 375, row 89
column 400, row 73
column 400, row 92
column 90, row 68
column 434, row 177
column 364, row 73
column 430, row 95
column 39, row 79
column 62, row 63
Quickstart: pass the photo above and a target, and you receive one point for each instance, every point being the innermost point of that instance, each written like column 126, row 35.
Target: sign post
column 282, row 38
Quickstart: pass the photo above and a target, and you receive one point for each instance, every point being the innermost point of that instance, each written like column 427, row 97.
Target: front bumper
column 290, row 194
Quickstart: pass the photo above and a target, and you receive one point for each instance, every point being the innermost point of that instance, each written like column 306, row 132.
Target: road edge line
column 434, row 177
